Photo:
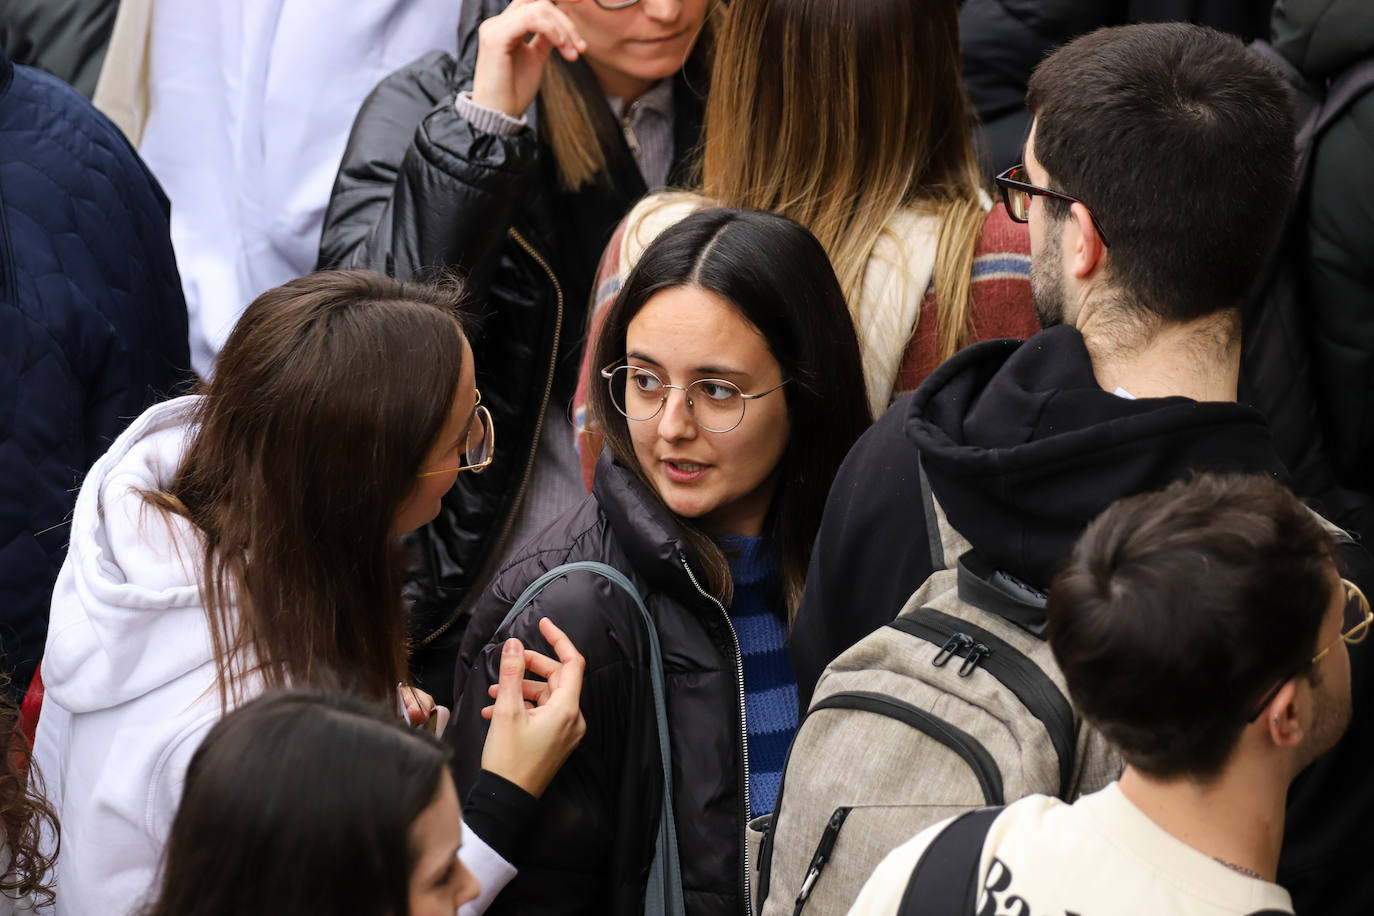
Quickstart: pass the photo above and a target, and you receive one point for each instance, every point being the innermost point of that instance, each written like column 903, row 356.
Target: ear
column 1281, row 719
column 1089, row 254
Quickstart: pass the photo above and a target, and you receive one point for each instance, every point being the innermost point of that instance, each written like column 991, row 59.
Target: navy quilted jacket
column 92, row 327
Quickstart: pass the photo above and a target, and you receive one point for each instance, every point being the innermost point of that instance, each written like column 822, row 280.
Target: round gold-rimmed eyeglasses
column 1354, row 628
column 715, row 404
column 481, row 444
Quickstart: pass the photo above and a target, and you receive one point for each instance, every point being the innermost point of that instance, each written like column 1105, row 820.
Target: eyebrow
column 704, row 371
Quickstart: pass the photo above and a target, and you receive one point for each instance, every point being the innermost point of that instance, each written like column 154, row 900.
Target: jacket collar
column 650, row 535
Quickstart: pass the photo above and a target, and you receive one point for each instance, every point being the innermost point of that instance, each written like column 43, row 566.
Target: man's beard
column 1331, row 717
column 1047, row 283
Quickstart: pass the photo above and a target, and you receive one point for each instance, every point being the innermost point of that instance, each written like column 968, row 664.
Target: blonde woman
column 851, row 119
column 512, row 165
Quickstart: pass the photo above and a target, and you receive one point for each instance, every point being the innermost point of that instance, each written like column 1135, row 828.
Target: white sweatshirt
column 129, row 675
column 1100, row 855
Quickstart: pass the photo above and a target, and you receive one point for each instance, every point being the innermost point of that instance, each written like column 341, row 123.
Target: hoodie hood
column 1322, row 37
column 1023, row 448
column 127, row 616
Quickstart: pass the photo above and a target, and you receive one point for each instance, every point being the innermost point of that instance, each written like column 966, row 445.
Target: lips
column 683, row 471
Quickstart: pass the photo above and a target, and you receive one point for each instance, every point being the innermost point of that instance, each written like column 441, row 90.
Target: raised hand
column 513, row 48
column 535, row 725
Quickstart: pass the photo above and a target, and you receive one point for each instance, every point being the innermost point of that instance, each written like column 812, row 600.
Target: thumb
column 509, row 688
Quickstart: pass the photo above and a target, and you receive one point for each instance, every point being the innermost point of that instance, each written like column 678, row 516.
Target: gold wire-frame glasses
column 477, row 457
column 1356, row 604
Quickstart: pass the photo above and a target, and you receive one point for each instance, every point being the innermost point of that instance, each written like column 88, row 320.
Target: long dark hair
column 24, row 813
column 325, row 402
column 300, row 801
column 778, row 277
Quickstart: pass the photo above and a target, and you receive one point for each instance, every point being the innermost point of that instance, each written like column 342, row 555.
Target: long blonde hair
column 577, row 131
column 838, row 114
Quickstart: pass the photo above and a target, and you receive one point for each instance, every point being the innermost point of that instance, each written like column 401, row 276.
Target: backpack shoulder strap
column 933, row 539
column 663, row 895
column 945, row 880
column 1351, row 84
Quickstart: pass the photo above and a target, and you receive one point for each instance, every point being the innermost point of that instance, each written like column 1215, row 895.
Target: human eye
column 645, row 381
column 717, row 391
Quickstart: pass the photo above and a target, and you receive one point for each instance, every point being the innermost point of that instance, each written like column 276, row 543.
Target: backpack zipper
column 743, row 731
column 538, row 426
column 821, row 856
column 952, row 737
column 999, row 658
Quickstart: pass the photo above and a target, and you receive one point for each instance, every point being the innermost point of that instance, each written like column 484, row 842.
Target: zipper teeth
column 743, row 728
column 538, row 426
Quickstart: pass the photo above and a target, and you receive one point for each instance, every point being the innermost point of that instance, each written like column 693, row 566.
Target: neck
column 621, row 85
column 1238, row 819
column 1198, row 359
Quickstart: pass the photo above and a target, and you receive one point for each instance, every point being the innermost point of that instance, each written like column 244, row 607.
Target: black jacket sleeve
column 419, row 188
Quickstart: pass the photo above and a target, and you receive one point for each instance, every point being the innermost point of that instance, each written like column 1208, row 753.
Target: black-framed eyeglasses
column 716, row 404
column 480, row 448
column 615, row 4
column 1017, row 192
column 1354, row 628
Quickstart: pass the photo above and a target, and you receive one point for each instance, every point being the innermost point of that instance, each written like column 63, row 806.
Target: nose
column 675, row 420
column 665, row 11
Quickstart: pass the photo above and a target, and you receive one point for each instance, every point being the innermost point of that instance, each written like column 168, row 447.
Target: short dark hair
column 300, row 801
column 778, row 276
column 1181, row 142
column 1178, row 610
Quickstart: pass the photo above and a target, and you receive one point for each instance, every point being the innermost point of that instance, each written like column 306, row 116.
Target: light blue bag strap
column 663, row 896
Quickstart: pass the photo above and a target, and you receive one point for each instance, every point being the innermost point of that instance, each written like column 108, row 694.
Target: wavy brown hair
column 24, row 813
column 324, row 404
column 837, row 114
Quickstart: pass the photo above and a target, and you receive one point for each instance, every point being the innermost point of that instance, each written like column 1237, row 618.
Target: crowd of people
column 684, row 457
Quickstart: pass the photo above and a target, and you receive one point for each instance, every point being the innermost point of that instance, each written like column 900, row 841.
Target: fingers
column 573, row 664
column 531, row 690
column 539, row 18
column 418, row 704
column 510, row 691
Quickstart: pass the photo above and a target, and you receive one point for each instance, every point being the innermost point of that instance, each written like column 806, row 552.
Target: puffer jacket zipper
column 743, row 735
column 538, row 426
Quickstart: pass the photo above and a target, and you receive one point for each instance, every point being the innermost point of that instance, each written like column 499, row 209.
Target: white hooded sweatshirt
column 129, row 674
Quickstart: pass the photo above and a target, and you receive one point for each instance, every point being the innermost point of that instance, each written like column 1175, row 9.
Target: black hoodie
column 1023, row 449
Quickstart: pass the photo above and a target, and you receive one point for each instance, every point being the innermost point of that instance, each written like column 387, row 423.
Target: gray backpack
column 955, row 705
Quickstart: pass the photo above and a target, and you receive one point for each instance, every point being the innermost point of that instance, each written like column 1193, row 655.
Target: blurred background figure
column 67, row 38
column 242, row 109
column 1003, row 40
column 92, row 327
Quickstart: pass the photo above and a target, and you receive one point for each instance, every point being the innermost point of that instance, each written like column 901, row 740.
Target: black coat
column 420, row 191
column 589, row 846
column 1023, row 449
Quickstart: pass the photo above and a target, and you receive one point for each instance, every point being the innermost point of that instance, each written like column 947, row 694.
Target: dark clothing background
column 92, row 327
column 589, row 846
column 421, row 191
column 67, row 38
column 1023, row 449
column 1003, row 40
column 1336, row 236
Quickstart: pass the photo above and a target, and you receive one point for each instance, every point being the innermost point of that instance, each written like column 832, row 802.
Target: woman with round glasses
column 732, row 390
column 512, row 166
column 245, row 538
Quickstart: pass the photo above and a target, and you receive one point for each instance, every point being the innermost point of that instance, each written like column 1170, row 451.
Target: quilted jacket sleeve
column 419, row 188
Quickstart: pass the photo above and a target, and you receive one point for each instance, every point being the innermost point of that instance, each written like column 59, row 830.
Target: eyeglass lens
column 478, row 448
column 1018, row 201
column 615, row 4
column 715, row 404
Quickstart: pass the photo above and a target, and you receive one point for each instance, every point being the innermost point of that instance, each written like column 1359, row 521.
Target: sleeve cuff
column 498, row 811
column 492, row 870
column 487, row 120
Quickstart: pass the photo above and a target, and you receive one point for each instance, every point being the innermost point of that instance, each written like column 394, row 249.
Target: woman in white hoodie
column 245, row 539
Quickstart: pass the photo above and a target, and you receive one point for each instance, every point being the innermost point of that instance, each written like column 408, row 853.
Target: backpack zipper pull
column 823, row 850
column 956, row 643
column 976, row 654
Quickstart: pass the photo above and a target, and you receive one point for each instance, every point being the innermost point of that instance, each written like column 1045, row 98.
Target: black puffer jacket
column 589, row 847
column 419, row 191
column 1337, row 236
column 1003, row 40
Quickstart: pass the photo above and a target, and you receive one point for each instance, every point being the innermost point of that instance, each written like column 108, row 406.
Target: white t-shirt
column 1100, row 856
